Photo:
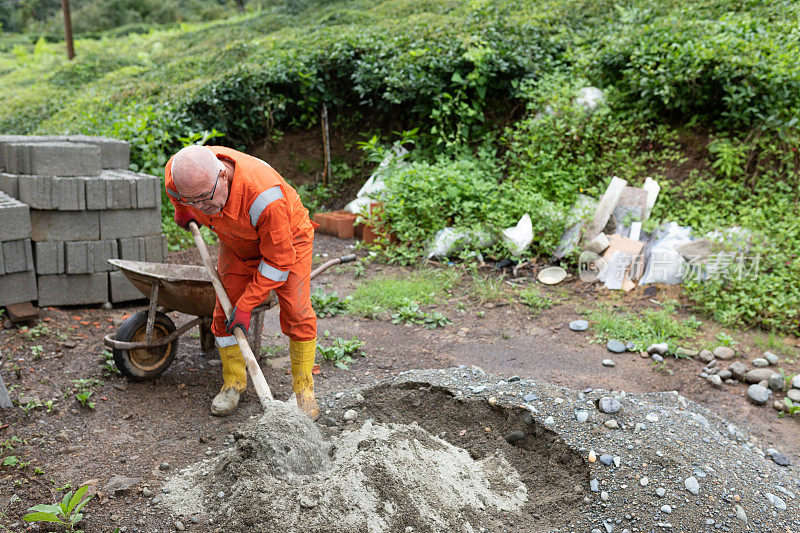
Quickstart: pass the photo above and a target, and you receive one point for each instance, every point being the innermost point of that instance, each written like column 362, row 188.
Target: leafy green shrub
column 762, row 196
column 327, row 304
column 341, row 352
column 734, row 70
column 559, row 150
column 423, row 198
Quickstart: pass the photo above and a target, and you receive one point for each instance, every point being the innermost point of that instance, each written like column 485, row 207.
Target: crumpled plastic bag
column 665, row 264
column 519, row 237
column 370, row 191
column 450, row 239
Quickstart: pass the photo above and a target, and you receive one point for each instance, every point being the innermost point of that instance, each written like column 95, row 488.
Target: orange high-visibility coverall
column 266, row 240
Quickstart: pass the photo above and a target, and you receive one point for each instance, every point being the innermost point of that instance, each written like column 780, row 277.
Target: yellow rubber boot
column 302, row 355
column 234, row 380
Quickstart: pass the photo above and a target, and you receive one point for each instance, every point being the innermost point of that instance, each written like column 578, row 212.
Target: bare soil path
column 139, row 433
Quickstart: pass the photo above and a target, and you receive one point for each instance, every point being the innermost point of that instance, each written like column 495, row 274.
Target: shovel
column 260, row 384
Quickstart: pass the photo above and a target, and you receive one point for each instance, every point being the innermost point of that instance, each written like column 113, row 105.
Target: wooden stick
column 5, row 399
column 326, row 141
column 262, row 389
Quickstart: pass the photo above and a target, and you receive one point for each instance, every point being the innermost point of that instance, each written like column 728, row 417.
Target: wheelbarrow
column 146, row 343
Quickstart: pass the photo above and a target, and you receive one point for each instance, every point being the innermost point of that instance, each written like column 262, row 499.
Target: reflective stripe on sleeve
column 224, row 342
column 262, row 201
column 172, row 193
column 270, row 272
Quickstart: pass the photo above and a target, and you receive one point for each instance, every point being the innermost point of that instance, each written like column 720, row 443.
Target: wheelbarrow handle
column 260, row 384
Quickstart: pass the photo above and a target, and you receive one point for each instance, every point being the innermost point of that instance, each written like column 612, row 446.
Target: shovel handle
column 260, row 384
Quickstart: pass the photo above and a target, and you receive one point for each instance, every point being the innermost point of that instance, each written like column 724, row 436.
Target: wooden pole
column 5, row 399
column 260, row 384
column 68, row 29
column 326, row 141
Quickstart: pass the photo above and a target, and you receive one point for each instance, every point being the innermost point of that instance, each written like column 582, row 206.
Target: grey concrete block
column 147, row 188
column 52, row 193
column 9, row 184
column 88, row 257
column 65, row 225
column 78, row 257
column 131, row 249
column 17, row 256
column 15, row 219
column 148, row 192
column 154, row 248
column 129, row 223
column 95, row 194
column 36, row 191
column 121, row 289
column 78, row 289
column 120, row 192
column 150, row 248
column 69, row 194
column 53, row 158
column 19, row 287
column 114, row 153
column 49, row 257
column 102, row 251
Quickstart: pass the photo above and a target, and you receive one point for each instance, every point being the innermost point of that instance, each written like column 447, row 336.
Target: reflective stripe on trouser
column 297, row 317
column 234, row 371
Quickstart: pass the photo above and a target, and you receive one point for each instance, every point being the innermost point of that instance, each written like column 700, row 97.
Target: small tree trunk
column 240, row 5
column 68, row 29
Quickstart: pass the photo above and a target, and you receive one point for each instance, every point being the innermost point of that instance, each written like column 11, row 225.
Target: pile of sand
column 282, row 475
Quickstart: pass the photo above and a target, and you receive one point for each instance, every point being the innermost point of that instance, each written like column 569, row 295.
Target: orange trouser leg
column 235, row 276
column 297, row 317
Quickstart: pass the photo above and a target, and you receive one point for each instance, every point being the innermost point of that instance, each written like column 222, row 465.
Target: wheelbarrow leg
column 256, row 326
column 206, row 336
column 151, row 312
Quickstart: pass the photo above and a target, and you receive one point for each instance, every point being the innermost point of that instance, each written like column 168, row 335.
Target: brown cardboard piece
column 629, row 247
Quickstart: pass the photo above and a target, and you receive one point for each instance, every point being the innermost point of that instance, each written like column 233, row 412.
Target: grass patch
column 390, row 293
column 651, row 326
column 772, row 342
column 490, row 289
column 534, row 301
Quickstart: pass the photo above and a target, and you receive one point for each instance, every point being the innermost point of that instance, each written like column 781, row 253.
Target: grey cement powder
column 282, row 476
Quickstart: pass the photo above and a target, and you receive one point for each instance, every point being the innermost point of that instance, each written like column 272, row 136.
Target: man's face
column 208, row 198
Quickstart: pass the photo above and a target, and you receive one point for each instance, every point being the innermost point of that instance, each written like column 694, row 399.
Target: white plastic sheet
column 375, row 184
column 519, row 237
column 664, row 263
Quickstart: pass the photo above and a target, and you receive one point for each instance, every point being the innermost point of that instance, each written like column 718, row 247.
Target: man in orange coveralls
column 266, row 240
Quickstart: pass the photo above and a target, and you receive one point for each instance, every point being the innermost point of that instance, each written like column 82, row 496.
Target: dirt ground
column 146, row 431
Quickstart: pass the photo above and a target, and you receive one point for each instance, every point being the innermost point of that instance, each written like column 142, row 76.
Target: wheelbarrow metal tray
column 183, row 288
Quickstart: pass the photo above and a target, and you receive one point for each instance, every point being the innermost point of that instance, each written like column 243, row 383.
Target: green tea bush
column 732, row 71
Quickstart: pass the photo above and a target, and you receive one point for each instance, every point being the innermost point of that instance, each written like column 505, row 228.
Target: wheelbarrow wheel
column 145, row 363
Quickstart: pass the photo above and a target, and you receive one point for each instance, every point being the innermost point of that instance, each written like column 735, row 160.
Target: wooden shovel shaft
column 260, row 384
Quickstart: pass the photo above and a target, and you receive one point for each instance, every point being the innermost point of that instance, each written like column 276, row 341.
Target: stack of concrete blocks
column 85, row 208
column 17, row 275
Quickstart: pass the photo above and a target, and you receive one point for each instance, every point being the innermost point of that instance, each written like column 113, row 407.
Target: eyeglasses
column 207, row 198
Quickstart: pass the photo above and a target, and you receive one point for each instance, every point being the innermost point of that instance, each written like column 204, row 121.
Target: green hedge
column 734, row 71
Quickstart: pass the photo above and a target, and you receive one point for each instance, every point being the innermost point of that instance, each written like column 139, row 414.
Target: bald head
column 194, row 170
